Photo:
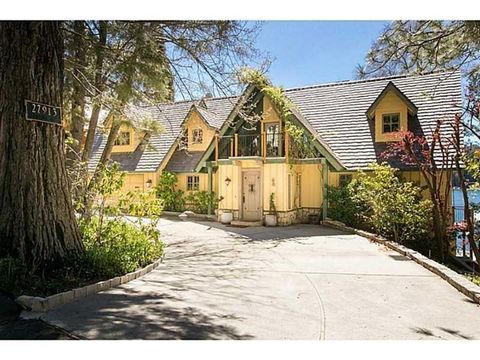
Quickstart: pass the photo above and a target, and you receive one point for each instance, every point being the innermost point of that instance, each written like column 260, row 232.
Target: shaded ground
column 298, row 282
column 13, row 328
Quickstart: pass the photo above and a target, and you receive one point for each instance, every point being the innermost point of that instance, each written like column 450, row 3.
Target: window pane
column 193, row 183
column 272, row 138
column 391, row 123
column 123, row 138
column 197, row 136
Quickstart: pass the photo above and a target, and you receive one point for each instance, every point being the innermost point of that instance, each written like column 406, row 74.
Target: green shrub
column 199, row 201
column 122, row 248
column 172, row 199
column 342, row 208
column 395, row 209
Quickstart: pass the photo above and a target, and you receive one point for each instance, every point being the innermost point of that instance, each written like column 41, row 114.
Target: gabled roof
column 391, row 87
column 252, row 92
column 211, row 119
column 170, row 116
column 337, row 111
column 334, row 113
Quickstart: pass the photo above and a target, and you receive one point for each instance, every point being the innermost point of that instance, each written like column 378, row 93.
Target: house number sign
column 42, row 112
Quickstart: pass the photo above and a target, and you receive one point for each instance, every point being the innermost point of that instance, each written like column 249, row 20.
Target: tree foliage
column 301, row 142
column 424, row 46
column 395, row 209
column 166, row 190
column 126, row 63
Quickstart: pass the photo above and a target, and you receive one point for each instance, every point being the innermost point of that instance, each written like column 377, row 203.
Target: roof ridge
column 346, row 82
column 198, row 100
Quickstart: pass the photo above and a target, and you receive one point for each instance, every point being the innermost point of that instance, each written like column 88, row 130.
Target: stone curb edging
column 194, row 215
column 455, row 279
column 44, row 304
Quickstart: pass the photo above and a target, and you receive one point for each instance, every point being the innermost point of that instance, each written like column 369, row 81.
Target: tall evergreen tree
column 37, row 221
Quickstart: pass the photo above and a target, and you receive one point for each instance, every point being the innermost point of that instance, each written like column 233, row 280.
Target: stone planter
column 270, row 220
column 226, row 217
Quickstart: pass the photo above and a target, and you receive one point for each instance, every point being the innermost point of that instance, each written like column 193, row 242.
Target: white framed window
column 197, row 136
column 391, row 123
column 272, row 131
column 193, row 183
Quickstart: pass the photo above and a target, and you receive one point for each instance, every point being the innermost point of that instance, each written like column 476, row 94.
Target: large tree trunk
column 78, row 95
column 37, row 220
column 99, row 88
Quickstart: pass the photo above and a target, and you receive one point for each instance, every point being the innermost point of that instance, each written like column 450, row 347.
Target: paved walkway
column 298, row 282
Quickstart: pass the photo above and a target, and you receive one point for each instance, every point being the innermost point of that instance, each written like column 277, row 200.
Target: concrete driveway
column 298, row 282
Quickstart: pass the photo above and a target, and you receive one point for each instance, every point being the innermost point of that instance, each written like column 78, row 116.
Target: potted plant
column 271, row 217
column 226, row 217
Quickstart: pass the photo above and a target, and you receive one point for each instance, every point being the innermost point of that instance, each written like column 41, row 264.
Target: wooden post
column 264, row 144
column 236, row 144
column 216, row 147
column 231, row 147
column 210, row 180
column 286, row 146
column 325, row 184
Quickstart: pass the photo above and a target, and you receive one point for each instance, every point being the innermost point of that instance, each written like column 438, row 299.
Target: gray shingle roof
column 211, row 118
column 337, row 111
column 182, row 161
column 170, row 116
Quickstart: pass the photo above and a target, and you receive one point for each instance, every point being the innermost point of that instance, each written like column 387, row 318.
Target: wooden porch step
column 241, row 223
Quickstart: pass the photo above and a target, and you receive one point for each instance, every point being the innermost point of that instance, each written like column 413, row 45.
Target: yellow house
column 237, row 146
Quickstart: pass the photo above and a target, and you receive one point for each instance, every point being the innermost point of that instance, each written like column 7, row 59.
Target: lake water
column 474, row 197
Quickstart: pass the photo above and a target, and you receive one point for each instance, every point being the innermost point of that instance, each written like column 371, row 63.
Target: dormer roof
column 412, row 108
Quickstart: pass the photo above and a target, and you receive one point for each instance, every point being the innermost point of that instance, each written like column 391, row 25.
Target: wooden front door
column 251, row 196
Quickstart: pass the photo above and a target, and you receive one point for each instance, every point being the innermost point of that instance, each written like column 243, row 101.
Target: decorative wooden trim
column 264, row 145
column 216, row 147
column 236, row 144
column 286, row 146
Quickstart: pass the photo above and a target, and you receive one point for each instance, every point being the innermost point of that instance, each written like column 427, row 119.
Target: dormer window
column 391, row 123
column 197, row 136
column 123, row 138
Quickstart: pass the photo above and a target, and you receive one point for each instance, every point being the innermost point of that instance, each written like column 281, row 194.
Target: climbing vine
column 301, row 143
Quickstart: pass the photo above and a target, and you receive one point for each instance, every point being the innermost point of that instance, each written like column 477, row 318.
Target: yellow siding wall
column 311, row 185
column 334, row 177
column 391, row 103
column 138, row 181
column 231, row 192
column 195, row 121
column 275, row 180
column 182, row 181
column 269, row 112
column 417, row 178
column 274, row 177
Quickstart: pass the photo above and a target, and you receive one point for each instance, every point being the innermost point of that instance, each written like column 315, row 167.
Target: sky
column 315, row 52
